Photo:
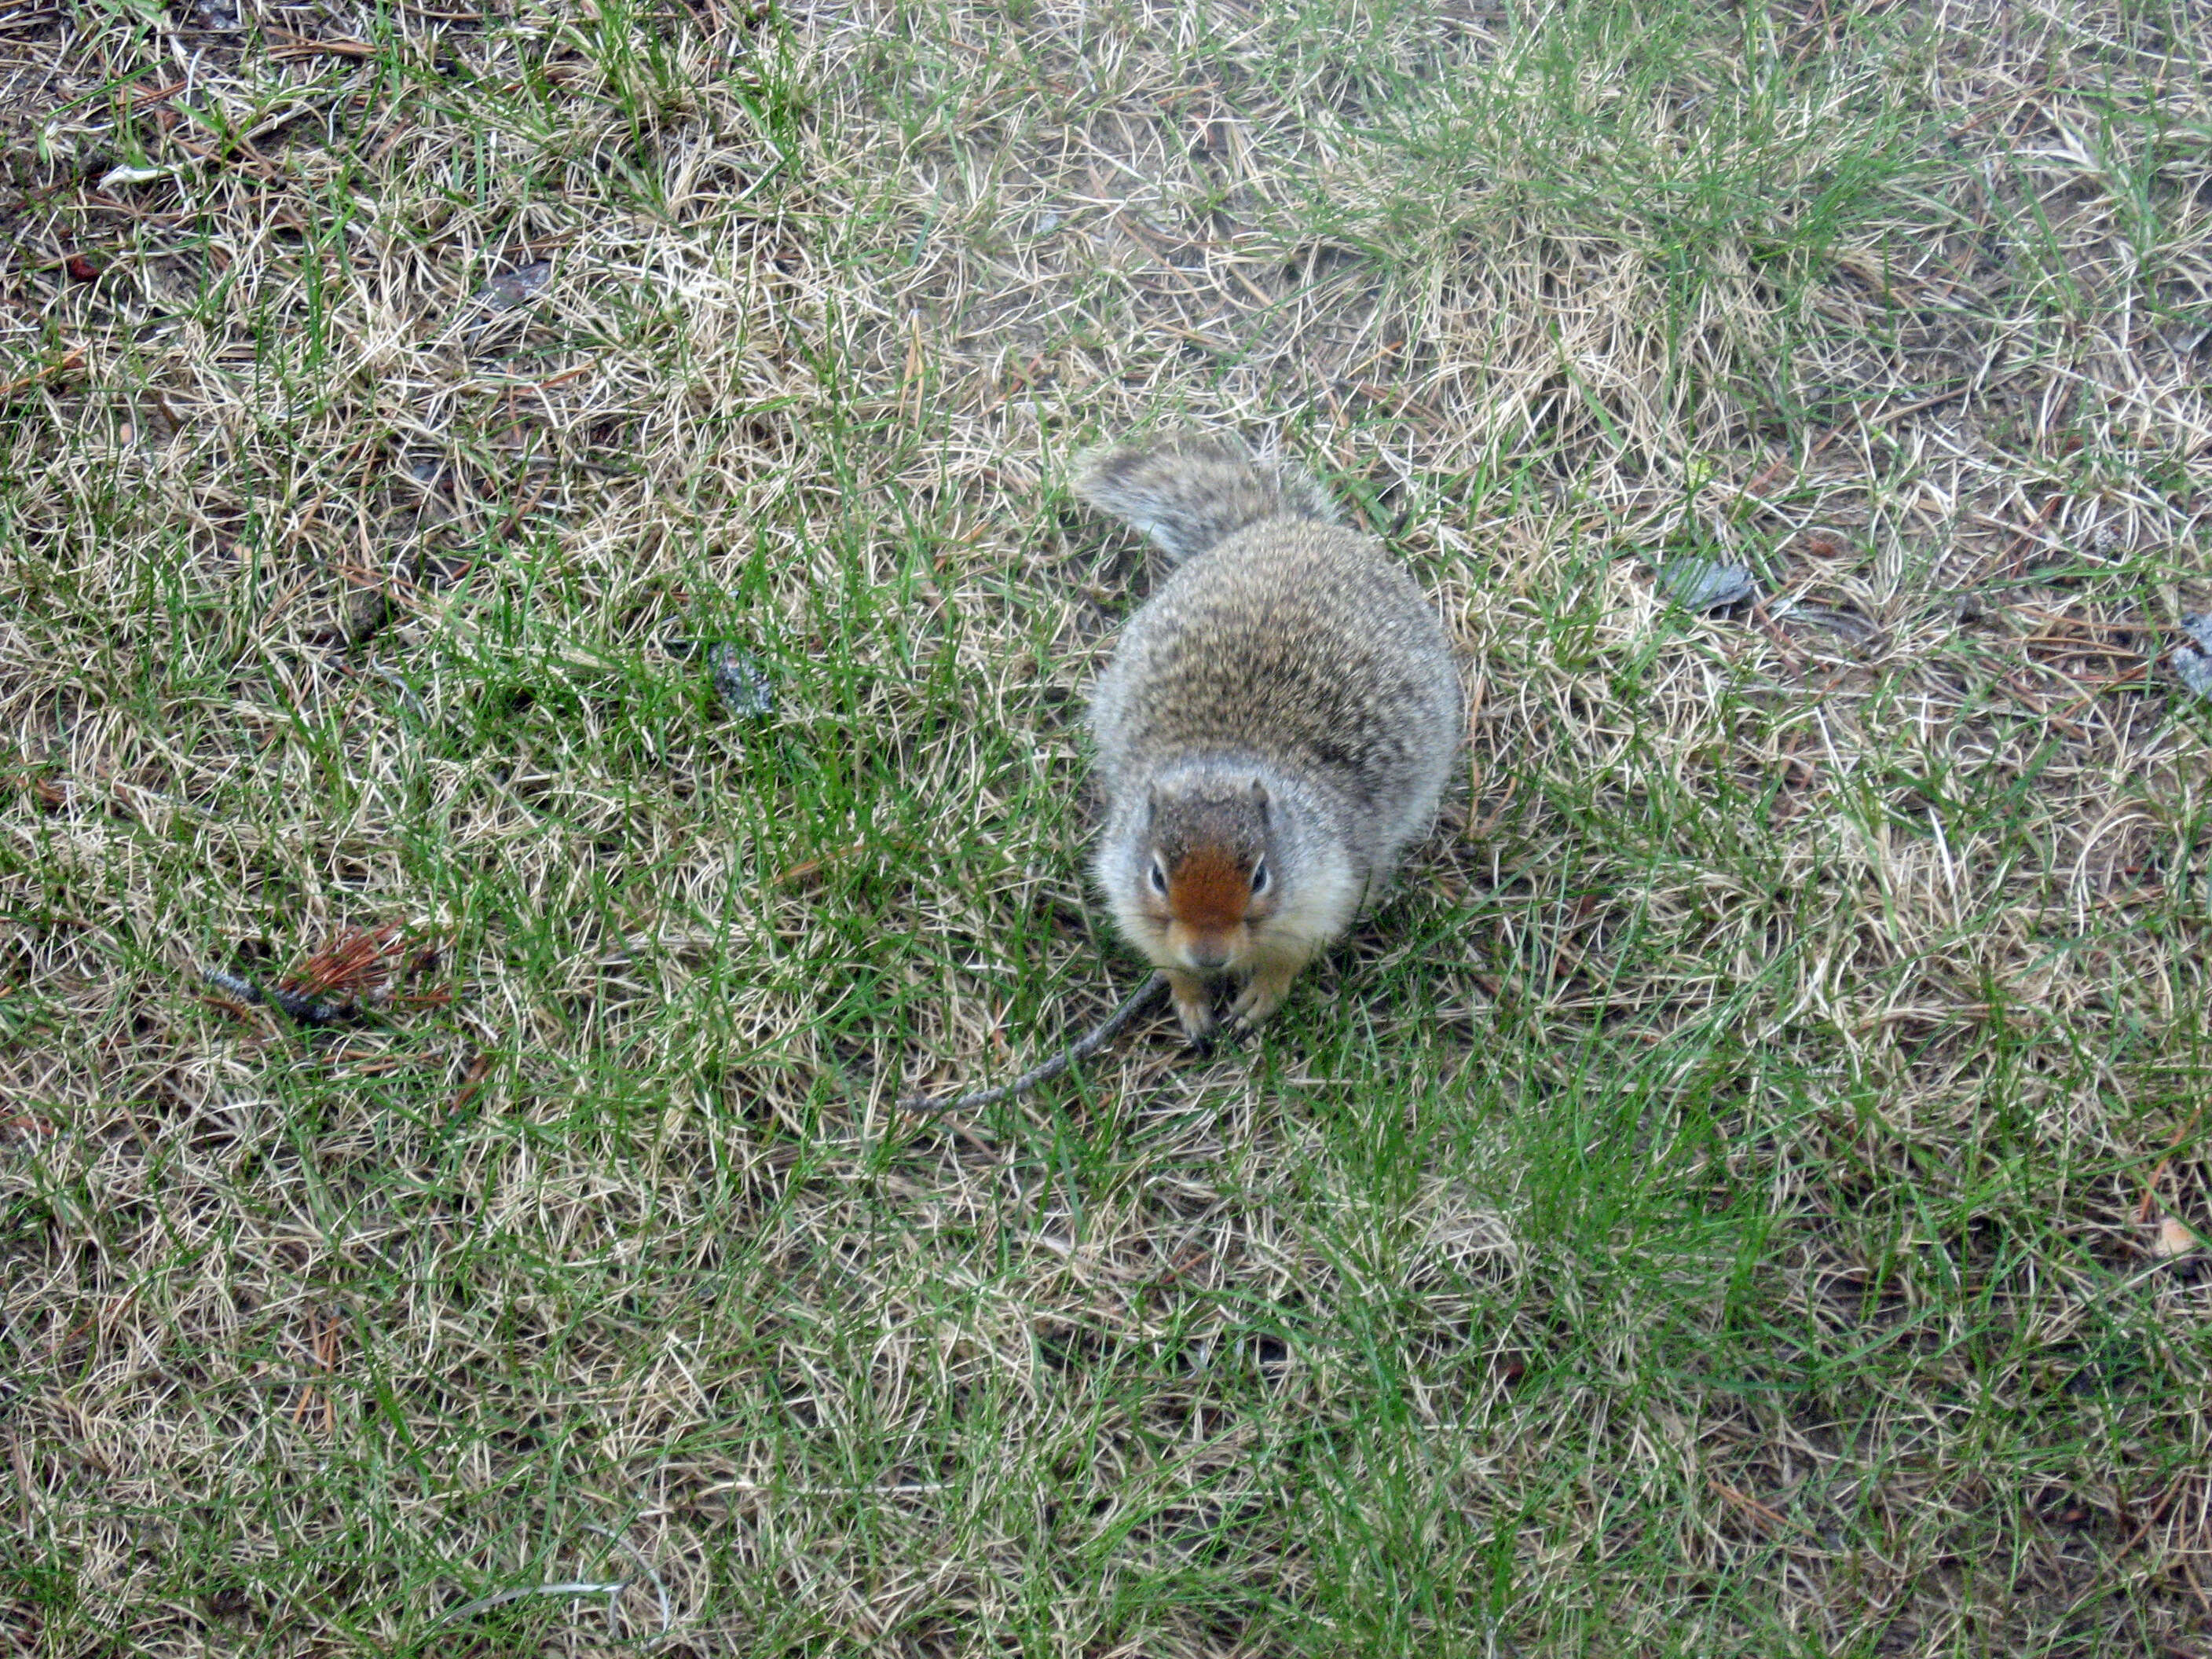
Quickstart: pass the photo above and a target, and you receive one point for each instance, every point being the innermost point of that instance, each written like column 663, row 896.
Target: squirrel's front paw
column 1259, row 999
column 1194, row 1005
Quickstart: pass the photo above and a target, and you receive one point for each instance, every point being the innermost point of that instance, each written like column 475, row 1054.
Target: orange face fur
column 1210, row 903
column 1209, row 891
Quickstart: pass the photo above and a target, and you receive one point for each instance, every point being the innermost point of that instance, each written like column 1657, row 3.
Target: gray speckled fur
column 1285, row 650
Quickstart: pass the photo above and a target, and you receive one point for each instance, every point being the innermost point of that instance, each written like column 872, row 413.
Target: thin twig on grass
column 61, row 365
column 1081, row 1049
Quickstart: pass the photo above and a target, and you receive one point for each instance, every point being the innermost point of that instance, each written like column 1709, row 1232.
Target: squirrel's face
column 1209, row 903
column 1206, row 883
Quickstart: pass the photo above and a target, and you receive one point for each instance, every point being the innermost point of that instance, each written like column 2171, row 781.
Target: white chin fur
column 1238, row 963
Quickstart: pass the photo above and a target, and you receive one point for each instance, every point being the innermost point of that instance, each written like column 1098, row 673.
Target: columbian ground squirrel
column 1276, row 725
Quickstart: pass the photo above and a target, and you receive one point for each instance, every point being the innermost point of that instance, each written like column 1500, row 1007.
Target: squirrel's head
column 1206, row 881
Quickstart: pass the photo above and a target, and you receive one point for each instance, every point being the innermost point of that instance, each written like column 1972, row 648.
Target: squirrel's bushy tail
column 1190, row 490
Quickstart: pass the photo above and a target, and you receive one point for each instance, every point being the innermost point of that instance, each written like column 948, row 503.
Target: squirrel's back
column 1280, row 635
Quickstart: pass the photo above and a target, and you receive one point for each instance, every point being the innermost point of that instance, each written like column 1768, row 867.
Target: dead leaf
column 1706, row 584
column 517, row 287
column 2175, row 1238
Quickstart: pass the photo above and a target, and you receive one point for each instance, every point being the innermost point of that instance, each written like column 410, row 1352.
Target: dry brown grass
column 1738, row 1198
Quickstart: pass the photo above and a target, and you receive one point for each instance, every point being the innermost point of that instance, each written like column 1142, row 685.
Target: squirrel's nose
column 1208, row 952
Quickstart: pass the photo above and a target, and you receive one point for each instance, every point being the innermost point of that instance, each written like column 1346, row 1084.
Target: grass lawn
column 1745, row 1191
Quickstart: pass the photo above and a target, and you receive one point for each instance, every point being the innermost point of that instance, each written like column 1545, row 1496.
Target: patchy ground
column 1747, row 1193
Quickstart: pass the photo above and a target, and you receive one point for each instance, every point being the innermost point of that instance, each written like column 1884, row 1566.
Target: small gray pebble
column 2195, row 669
column 740, row 681
column 1702, row 585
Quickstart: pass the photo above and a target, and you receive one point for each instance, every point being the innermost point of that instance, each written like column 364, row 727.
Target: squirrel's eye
column 1159, row 878
column 1259, row 877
